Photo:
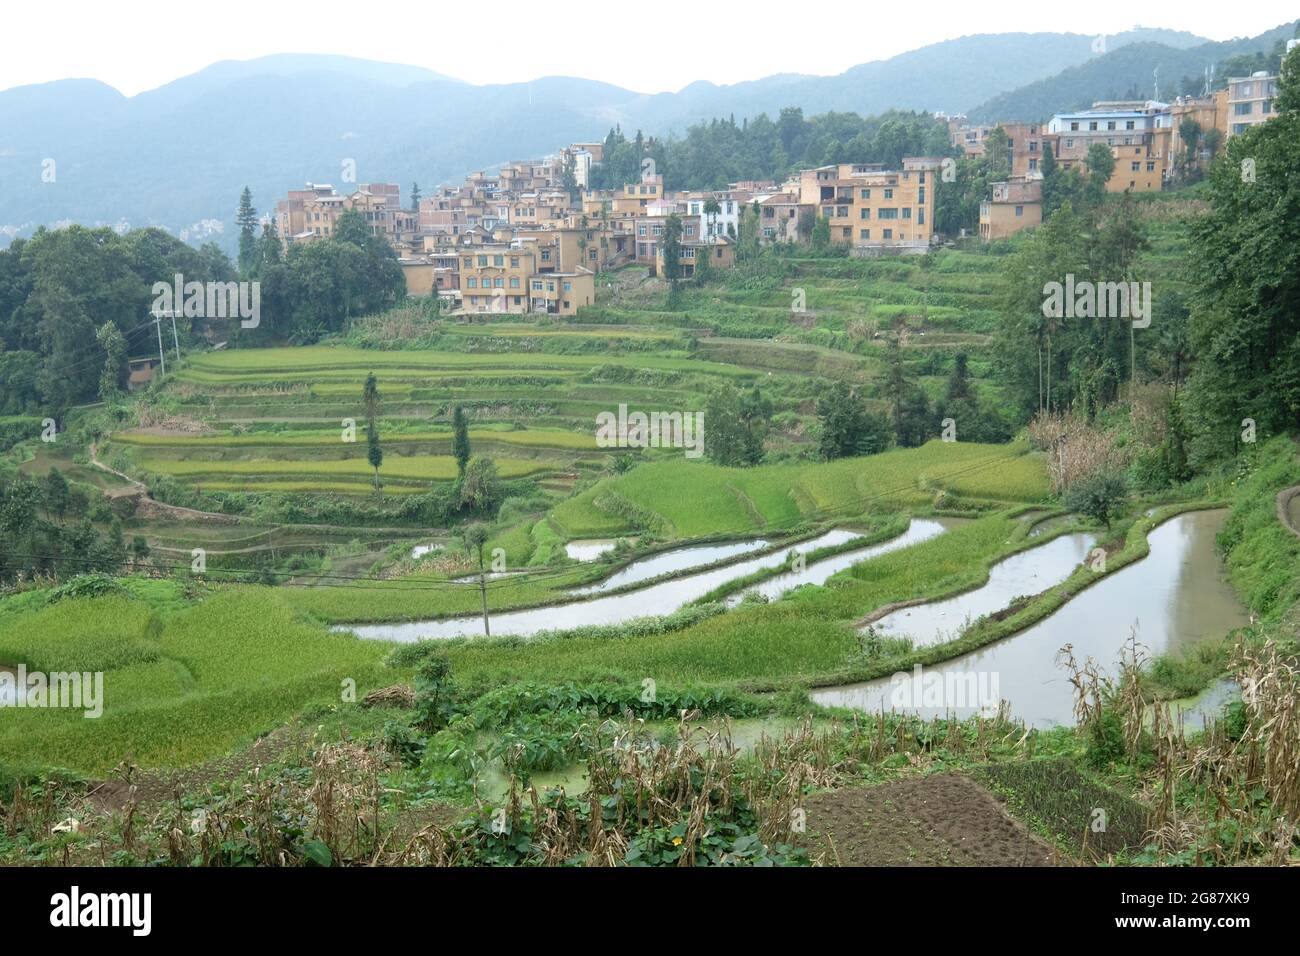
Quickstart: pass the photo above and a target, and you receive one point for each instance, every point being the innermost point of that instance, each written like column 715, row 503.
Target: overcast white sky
column 137, row 45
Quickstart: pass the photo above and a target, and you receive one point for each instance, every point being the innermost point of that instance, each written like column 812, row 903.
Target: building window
column 864, row 233
column 514, row 282
column 1020, row 210
column 471, row 283
column 907, row 212
column 1136, row 167
column 889, row 194
column 889, row 234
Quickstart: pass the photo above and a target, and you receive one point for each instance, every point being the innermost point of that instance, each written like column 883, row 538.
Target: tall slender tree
column 460, row 440
column 246, row 219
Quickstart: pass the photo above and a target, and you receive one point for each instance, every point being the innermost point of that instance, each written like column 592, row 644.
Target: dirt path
column 944, row 820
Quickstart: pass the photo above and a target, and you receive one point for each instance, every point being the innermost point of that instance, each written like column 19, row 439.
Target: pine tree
column 460, row 440
column 246, row 219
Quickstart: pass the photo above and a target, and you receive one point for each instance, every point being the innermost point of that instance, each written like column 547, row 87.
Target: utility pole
column 175, row 339
column 482, row 590
column 162, row 358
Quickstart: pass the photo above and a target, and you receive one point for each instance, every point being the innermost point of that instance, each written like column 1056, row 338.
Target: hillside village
column 531, row 236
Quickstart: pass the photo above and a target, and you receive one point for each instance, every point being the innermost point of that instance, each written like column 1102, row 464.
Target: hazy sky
column 140, row 44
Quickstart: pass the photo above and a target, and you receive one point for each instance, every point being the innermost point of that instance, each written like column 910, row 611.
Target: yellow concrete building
column 1014, row 205
column 873, row 209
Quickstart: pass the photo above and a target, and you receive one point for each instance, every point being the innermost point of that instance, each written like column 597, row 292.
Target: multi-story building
column 496, row 278
column 313, row 212
column 1208, row 112
column 873, row 209
column 722, row 221
column 778, row 217
column 1026, row 141
column 1014, row 205
column 561, row 293
column 1129, row 130
column 291, row 221
column 720, row 251
column 1250, row 101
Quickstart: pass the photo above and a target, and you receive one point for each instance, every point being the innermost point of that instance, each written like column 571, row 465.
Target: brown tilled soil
column 944, row 820
column 159, row 786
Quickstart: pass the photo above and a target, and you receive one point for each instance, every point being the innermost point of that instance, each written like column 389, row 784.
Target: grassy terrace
column 677, row 501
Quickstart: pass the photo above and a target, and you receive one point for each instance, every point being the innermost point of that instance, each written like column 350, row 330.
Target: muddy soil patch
column 943, row 820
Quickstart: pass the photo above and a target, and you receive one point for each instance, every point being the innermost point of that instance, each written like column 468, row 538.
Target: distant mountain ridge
column 178, row 156
column 1120, row 70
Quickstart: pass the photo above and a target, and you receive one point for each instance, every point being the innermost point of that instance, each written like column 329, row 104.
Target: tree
column 374, row 453
column 1099, row 495
column 1032, row 348
column 460, row 440
column 847, row 427
column 1245, row 257
column 139, row 550
column 415, row 198
column 1051, row 181
column 246, row 219
column 821, row 234
column 712, row 208
column 735, row 426
column 755, row 415
column 909, row 407
column 704, row 265
column 670, row 246
column 480, row 487
column 370, row 398
column 113, row 343
column 351, row 227
column 1190, row 132
column 56, row 494
column 1101, row 165
column 997, row 150
column 475, row 537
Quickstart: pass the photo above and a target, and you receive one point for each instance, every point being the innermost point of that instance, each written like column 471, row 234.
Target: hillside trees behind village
column 60, row 288
column 722, row 151
column 1224, row 333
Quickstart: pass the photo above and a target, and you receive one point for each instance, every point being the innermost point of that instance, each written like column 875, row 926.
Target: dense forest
column 75, row 303
column 713, row 154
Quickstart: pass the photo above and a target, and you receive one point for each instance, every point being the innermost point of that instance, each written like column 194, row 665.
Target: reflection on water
column 921, row 529
column 1026, row 573
column 589, row 550
column 657, row 599
column 1174, row 597
column 679, row 559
